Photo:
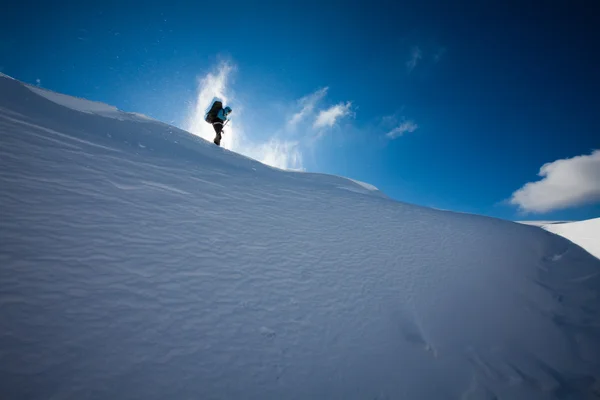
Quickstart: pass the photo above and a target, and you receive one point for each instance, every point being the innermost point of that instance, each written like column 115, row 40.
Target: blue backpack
column 211, row 115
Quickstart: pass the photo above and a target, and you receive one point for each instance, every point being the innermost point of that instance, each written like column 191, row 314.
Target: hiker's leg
column 218, row 126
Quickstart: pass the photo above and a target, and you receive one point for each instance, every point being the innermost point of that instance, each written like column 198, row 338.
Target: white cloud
column 404, row 127
column 331, row 115
column 566, row 183
column 415, row 56
column 308, row 104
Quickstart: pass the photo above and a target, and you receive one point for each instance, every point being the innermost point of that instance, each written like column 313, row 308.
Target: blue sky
column 450, row 106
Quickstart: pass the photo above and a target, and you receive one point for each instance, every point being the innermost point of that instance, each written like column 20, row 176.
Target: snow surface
column 365, row 185
column 87, row 106
column 141, row 262
column 583, row 233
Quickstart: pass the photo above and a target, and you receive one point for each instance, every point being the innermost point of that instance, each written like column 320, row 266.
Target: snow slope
column 138, row 261
column 86, row 106
column 583, row 233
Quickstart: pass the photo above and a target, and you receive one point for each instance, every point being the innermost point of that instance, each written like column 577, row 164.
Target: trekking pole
column 224, row 126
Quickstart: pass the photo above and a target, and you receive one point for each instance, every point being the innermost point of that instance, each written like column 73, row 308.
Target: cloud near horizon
column 565, row 184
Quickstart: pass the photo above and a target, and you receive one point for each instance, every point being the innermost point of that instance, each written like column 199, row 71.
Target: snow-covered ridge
column 583, row 233
column 542, row 223
column 87, row 106
column 74, row 103
column 140, row 261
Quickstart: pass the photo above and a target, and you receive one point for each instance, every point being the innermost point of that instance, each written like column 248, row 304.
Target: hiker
column 217, row 117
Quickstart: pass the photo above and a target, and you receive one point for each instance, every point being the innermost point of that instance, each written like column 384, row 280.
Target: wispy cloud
column 404, row 127
column 439, row 53
column 308, row 104
column 566, row 183
column 327, row 118
column 424, row 54
column 396, row 125
column 416, row 55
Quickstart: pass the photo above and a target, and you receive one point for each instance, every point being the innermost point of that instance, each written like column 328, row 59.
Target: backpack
column 211, row 115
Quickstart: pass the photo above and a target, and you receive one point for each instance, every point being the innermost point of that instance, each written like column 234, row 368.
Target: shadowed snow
column 139, row 261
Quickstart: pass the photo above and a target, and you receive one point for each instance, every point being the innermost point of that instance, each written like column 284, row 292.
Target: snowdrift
column 583, row 233
column 141, row 262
